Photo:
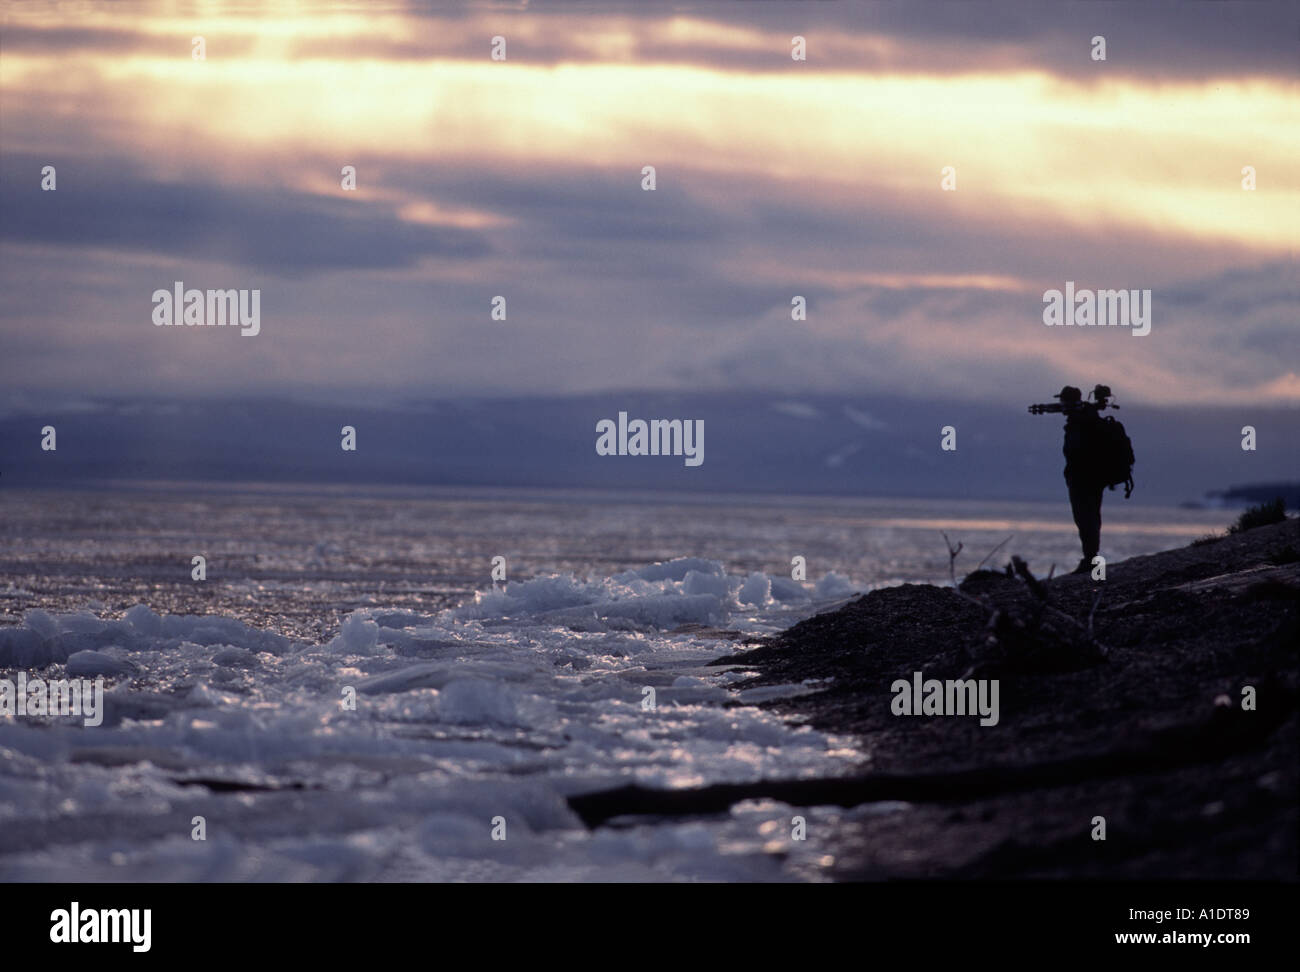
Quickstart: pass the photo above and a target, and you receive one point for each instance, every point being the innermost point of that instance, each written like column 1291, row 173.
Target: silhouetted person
column 1082, row 475
column 1098, row 454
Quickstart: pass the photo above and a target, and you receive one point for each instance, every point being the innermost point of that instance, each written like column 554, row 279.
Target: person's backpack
column 1114, row 454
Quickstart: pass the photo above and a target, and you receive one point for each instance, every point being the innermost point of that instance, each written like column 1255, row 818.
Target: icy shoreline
column 396, row 749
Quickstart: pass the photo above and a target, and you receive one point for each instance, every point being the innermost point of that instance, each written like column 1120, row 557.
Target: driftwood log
column 1225, row 730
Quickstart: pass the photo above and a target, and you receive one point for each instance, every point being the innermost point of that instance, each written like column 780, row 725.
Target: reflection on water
column 296, row 559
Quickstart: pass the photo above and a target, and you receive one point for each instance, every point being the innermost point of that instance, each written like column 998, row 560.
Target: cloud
column 1167, row 40
column 775, row 178
column 108, row 203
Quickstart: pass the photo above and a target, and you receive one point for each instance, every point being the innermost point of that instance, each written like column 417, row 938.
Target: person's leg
column 1085, row 504
column 1090, row 528
column 1096, row 540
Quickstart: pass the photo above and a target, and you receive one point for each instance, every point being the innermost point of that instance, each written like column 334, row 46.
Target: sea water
column 405, row 684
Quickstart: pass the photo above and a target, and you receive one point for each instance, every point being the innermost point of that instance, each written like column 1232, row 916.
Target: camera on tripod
column 1071, row 401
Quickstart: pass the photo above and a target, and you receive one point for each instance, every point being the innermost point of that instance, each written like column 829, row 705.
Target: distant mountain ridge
column 1259, row 493
column 753, row 442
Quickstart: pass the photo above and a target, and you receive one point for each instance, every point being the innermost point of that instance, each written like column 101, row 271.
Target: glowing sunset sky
column 775, row 178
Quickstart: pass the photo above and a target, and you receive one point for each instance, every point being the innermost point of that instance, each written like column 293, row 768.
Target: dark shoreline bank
column 1141, row 722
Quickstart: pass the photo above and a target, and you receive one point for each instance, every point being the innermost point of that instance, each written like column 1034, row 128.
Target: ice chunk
column 144, row 621
column 786, row 590
column 756, row 590
column 530, row 597
column 698, row 582
column 404, row 679
column 25, row 648
column 834, row 586
column 40, row 622
column 235, row 658
column 358, row 636
column 679, row 568
column 476, row 700
column 661, row 611
column 91, row 663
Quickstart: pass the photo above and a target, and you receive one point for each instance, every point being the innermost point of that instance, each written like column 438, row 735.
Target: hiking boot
column 1085, row 566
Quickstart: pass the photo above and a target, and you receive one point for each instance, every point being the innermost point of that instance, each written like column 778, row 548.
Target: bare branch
column 952, row 572
column 952, row 558
column 993, row 551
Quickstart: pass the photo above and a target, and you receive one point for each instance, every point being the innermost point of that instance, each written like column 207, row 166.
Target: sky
column 775, row 178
